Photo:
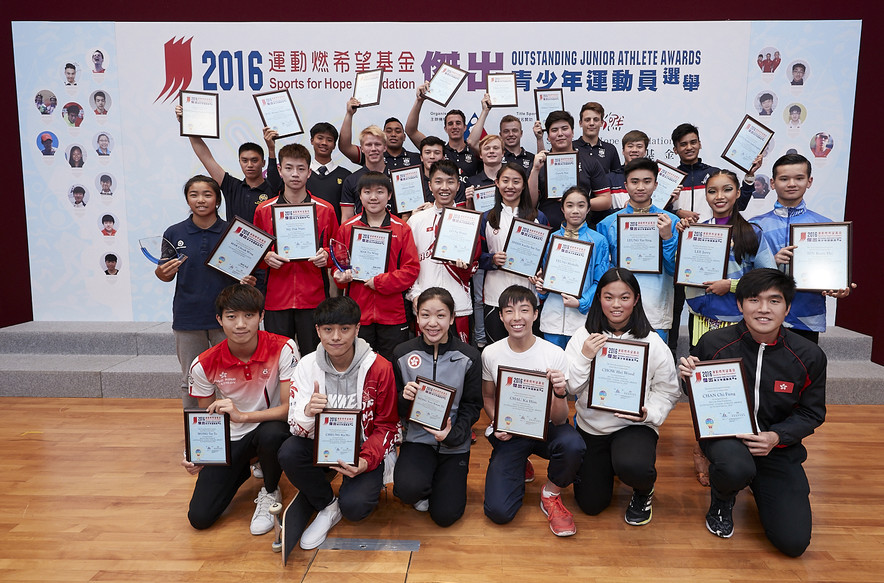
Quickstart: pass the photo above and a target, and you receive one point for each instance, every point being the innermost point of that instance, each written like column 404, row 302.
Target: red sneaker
column 561, row 522
column 529, row 471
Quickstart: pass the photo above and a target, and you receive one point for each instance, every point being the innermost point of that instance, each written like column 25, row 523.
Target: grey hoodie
column 341, row 386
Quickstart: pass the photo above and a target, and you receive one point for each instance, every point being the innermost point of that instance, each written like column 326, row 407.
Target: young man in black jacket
column 787, row 376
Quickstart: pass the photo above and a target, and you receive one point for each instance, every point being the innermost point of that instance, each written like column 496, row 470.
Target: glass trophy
column 340, row 255
column 158, row 250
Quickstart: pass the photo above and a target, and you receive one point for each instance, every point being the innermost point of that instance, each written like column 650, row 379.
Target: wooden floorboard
column 92, row 491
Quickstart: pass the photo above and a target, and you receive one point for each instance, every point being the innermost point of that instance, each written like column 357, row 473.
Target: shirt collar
column 261, row 354
column 314, row 166
column 789, row 211
column 216, row 227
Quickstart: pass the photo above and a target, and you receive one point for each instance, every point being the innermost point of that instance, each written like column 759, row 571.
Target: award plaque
column 547, row 101
column 703, row 253
column 277, row 111
column 445, row 84
column 668, row 178
column 720, row 400
column 336, row 437
column 408, row 188
column 567, row 266
column 822, row 258
column 369, row 252
column 561, row 173
column 206, row 437
column 199, row 114
column 521, row 404
column 457, row 235
column 747, row 143
column 367, row 87
column 502, row 89
column 432, row 404
column 618, row 377
column 483, row 198
column 525, row 247
column 240, row 250
column 296, row 229
column 639, row 245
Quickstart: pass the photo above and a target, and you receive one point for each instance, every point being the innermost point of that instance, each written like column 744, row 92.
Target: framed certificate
column 668, row 178
column 206, row 437
column 445, row 84
column 720, row 400
column 277, row 111
column 567, row 265
column 432, row 404
column 369, row 252
column 408, row 188
column 457, row 235
column 703, row 253
column 367, row 87
column 639, row 245
column 483, row 198
column 823, row 258
column 296, row 229
column 502, row 89
column 525, row 247
column 199, row 114
column 547, row 101
column 240, row 249
column 336, row 437
column 561, row 173
column 618, row 376
column 747, row 143
column 521, row 404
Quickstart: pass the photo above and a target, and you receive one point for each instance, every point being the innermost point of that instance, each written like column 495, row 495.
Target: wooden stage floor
column 92, row 491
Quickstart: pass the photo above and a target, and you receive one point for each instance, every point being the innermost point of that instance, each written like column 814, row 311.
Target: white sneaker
column 422, row 505
column 262, row 521
column 257, row 472
column 315, row 534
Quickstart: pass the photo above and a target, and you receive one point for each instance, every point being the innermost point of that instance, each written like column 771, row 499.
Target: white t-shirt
column 541, row 356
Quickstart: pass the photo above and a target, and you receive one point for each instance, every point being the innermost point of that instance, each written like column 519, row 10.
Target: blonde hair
column 488, row 138
column 375, row 131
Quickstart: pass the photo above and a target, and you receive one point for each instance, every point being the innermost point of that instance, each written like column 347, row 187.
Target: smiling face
column 434, row 321
column 764, row 314
column 492, row 152
column 511, row 132
column 791, row 182
column 575, row 207
column 430, row 154
column 373, row 148
column 640, row 185
column 518, row 319
column 338, row 340
column 323, row 145
column 618, row 301
column 202, row 200
column 721, row 194
column 444, row 187
column 688, row 148
column 103, row 142
column 374, row 199
column 70, row 75
column 395, row 136
column 454, row 127
column 510, row 184
column 633, row 150
column 561, row 135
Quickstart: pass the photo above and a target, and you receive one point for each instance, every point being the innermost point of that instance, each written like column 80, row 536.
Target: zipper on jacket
column 758, row 381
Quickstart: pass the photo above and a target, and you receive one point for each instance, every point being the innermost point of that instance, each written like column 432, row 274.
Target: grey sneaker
column 422, row 505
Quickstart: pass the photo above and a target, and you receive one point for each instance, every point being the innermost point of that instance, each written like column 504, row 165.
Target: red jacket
column 297, row 284
column 385, row 303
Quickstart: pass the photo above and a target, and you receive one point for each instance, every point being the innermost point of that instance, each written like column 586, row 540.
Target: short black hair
column 373, row 178
column 208, row 180
column 110, row 257
column 101, row 93
column 341, row 310
column 105, row 178
column 430, row 141
column 788, row 160
column 295, row 152
column 456, row 112
column 324, row 127
column 79, row 189
column 73, row 108
column 515, row 294
column 239, row 297
column 107, row 218
column 70, row 66
column 640, row 164
column 392, row 119
column 596, row 321
column 444, row 166
column 765, row 97
column 761, row 279
column 795, row 108
column 799, row 66
column 560, row 115
column 251, row 147
column 439, row 293
column 682, row 130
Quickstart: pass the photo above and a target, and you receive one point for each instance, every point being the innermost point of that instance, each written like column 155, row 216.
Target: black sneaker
column 639, row 511
column 720, row 518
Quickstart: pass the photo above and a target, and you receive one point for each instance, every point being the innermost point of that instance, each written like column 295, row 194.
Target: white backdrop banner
column 106, row 124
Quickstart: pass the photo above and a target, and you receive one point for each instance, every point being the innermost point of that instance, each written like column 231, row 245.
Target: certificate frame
column 414, row 412
column 485, row 207
column 444, row 68
column 362, row 76
column 254, row 254
column 797, row 264
column 623, row 257
column 321, row 454
column 181, row 101
column 745, row 125
column 276, row 210
column 688, row 238
column 192, row 448
column 588, row 246
column 288, row 95
column 743, row 398
column 552, row 192
column 501, row 392
column 440, row 249
column 397, row 197
column 514, row 228
column 539, row 95
column 354, row 240
column 512, row 96
column 631, row 350
column 657, row 200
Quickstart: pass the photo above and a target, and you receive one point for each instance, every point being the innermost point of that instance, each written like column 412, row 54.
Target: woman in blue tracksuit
column 432, row 469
